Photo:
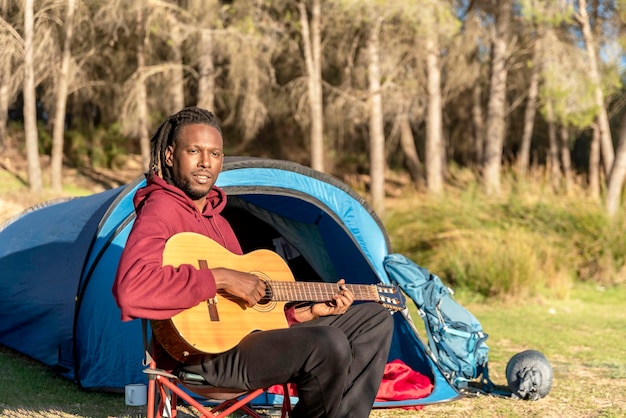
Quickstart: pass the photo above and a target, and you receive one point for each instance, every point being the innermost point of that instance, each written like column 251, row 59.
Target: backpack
column 455, row 337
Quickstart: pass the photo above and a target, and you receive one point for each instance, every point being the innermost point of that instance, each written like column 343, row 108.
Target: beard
column 185, row 186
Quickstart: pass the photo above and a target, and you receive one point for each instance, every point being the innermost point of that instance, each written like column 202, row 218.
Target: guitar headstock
column 391, row 297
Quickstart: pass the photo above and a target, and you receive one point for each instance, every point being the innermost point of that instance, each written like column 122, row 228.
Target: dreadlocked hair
column 167, row 133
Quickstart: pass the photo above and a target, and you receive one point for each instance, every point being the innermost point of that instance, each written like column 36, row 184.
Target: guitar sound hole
column 265, row 304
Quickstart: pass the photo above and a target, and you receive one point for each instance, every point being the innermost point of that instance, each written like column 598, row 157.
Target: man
column 335, row 352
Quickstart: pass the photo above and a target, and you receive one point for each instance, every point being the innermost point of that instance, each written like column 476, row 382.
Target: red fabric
column 141, row 281
column 399, row 383
column 278, row 389
column 290, row 315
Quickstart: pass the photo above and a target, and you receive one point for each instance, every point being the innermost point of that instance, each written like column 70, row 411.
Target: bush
column 521, row 244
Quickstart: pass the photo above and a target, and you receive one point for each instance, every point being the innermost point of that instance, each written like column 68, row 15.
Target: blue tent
column 58, row 262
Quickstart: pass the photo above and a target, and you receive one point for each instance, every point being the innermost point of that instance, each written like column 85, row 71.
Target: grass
column 582, row 336
column 541, row 271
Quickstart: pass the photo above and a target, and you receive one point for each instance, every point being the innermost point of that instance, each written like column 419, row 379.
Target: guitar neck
column 317, row 291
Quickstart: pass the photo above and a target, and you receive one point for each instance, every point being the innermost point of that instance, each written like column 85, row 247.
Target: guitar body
column 194, row 330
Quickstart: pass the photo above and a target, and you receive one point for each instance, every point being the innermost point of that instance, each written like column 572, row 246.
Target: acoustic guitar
column 219, row 324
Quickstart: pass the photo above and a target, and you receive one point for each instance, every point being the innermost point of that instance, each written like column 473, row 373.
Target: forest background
column 348, row 87
column 489, row 135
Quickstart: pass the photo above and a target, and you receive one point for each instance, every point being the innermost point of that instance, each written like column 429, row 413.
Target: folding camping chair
column 164, row 390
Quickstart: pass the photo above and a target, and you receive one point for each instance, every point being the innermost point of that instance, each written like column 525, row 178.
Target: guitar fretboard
column 316, row 291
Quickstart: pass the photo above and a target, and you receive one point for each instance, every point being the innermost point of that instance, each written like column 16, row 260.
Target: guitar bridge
column 212, row 306
column 210, row 302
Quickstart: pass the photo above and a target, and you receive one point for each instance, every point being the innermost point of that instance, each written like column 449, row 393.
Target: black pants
column 336, row 362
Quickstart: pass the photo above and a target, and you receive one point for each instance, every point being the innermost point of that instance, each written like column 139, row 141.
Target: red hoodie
column 143, row 287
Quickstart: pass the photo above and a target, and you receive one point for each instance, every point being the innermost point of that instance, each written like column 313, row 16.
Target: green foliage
column 98, row 147
column 45, row 139
column 546, row 12
column 516, row 246
column 571, row 97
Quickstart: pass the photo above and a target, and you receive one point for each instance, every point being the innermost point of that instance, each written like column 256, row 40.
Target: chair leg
column 220, row 411
column 163, row 394
column 161, row 400
column 151, row 398
column 227, row 407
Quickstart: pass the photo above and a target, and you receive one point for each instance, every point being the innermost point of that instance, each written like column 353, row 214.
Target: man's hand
column 337, row 306
column 245, row 286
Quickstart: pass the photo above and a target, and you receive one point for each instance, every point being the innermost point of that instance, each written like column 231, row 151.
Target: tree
column 606, row 141
column 62, row 88
column 567, row 88
column 30, row 106
column 377, row 134
column 523, row 156
column 566, row 157
column 496, row 107
column 553, row 153
column 12, row 46
column 366, row 84
column 434, row 124
column 311, row 40
column 208, row 23
column 617, row 176
column 407, row 144
column 247, row 50
column 153, row 23
column 175, row 36
column 141, row 89
column 206, row 71
column 618, row 172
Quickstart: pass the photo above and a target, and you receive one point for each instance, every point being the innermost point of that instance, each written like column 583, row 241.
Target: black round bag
column 529, row 375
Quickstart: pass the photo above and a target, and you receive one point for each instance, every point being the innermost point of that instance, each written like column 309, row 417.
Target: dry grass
column 582, row 337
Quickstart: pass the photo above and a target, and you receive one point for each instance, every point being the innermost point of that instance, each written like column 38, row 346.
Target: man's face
column 196, row 160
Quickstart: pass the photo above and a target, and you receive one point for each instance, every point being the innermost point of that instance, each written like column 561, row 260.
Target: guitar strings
column 316, row 291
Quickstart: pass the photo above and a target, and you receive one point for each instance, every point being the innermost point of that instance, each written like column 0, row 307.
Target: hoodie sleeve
column 143, row 287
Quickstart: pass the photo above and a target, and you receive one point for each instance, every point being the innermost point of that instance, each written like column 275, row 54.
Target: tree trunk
column 4, row 101
column 479, row 124
column 377, row 135
column 58, row 130
column 311, row 38
column 594, row 164
column 142, row 95
column 407, row 144
column 496, row 107
column 566, row 159
column 434, row 141
column 618, row 172
column 30, row 107
column 553, row 154
column 606, row 141
column 177, row 75
column 206, row 79
column 523, row 156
